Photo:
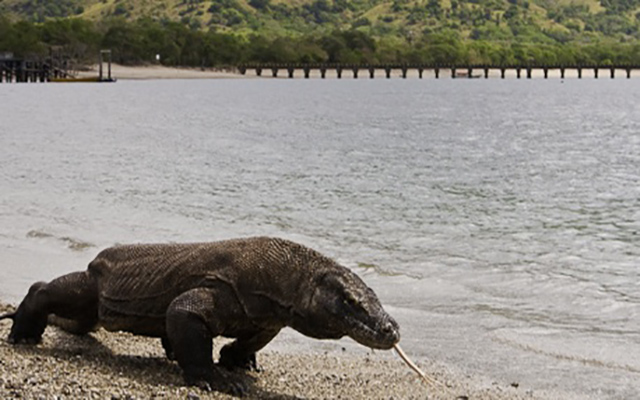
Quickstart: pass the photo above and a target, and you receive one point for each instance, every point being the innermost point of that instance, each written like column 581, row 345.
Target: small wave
column 71, row 243
column 566, row 356
column 76, row 245
column 38, row 234
column 385, row 272
column 464, row 191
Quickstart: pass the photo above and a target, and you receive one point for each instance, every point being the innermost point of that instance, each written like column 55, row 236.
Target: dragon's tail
column 8, row 315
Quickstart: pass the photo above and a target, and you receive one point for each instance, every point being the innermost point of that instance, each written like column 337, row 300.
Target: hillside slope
column 504, row 20
column 230, row 32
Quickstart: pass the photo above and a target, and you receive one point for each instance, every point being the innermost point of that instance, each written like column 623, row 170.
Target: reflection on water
column 498, row 220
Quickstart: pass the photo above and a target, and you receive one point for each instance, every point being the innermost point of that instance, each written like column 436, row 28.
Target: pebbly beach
column 106, row 365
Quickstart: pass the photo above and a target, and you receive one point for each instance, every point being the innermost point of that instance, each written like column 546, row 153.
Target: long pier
column 438, row 71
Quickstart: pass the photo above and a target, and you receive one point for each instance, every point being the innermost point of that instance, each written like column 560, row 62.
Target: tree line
column 138, row 42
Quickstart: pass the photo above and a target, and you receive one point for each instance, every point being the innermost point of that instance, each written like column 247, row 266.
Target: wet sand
column 107, row 365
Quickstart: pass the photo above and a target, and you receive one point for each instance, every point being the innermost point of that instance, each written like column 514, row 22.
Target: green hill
column 211, row 32
column 561, row 20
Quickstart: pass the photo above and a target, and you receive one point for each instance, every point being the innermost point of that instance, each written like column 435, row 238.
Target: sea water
column 498, row 220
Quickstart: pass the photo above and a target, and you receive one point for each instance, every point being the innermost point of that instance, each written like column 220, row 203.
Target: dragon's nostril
column 391, row 330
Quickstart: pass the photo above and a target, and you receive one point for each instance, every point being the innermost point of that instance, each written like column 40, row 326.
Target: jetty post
column 104, row 53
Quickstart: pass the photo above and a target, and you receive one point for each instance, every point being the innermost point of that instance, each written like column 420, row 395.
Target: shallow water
column 498, row 220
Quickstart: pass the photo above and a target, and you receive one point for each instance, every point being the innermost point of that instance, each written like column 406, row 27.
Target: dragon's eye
column 350, row 300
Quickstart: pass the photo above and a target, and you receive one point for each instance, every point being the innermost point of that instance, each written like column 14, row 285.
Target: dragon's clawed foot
column 230, row 358
column 219, row 382
column 26, row 329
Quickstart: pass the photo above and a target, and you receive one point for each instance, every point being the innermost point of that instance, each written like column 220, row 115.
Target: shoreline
column 146, row 72
column 123, row 366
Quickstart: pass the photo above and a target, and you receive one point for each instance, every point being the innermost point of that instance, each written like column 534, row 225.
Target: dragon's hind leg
column 71, row 298
column 166, row 344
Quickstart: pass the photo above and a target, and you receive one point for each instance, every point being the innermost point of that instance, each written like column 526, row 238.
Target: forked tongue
column 425, row 378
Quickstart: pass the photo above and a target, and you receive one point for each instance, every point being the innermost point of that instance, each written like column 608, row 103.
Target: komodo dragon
column 187, row 294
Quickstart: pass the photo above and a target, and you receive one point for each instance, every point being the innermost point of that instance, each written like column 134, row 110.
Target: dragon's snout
column 389, row 333
column 381, row 333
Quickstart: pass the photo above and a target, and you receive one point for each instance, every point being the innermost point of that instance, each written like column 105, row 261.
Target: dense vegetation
column 229, row 32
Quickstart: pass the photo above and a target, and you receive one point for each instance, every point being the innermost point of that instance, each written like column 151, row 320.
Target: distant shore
column 123, row 366
column 163, row 72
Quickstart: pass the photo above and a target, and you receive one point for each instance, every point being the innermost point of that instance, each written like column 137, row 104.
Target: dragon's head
column 341, row 304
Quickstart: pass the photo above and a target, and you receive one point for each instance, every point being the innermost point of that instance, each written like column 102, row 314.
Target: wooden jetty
column 101, row 77
column 18, row 70
column 50, row 69
column 437, row 71
column 36, row 69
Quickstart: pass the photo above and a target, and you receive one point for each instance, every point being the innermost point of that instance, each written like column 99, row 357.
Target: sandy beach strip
column 107, row 365
column 160, row 72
